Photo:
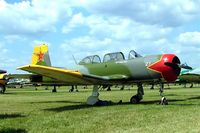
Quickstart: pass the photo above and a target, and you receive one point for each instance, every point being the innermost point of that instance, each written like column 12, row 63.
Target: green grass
column 27, row 110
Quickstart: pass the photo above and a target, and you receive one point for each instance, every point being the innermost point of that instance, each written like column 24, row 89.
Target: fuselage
column 148, row 68
column 142, row 69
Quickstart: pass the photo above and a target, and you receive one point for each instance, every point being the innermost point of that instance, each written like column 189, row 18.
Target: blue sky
column 88, row 27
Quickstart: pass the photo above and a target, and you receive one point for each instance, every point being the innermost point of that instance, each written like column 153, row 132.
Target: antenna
column 74, row 59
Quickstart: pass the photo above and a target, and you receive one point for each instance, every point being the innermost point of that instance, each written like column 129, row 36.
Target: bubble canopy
column 116, row 56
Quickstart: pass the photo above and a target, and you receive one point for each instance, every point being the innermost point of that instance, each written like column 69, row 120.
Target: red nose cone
column 169, row 73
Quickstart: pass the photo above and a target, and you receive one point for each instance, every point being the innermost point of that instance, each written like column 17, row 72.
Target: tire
column 163, row 101
column 134, row 100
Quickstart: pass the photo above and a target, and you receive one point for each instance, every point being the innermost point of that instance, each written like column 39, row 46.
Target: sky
column 89, row 27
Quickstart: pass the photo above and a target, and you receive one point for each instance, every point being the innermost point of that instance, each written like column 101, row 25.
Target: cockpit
column 133, row 54
column 118, row 56
column 110, row 57
column 90, row 60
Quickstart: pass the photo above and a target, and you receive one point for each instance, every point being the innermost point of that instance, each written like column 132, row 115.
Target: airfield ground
column 28, row 110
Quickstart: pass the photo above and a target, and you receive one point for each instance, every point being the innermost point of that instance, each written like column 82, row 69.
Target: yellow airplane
column 114, row 69
column 2, row 81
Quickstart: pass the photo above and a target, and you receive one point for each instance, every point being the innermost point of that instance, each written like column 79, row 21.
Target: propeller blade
column 185, row 66
column 172, row 65
column 175, row 66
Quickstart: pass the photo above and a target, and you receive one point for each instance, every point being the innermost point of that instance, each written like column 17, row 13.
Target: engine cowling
column 168, row 66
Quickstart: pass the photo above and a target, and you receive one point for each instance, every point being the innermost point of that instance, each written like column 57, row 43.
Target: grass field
column 27, row 110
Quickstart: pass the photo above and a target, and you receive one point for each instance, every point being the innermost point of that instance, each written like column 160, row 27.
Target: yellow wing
column 69, row 76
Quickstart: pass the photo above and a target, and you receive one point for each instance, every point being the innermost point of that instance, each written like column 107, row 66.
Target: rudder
column 41, row 55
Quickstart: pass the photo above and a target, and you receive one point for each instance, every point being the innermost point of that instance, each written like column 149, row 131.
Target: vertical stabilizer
column 41, row 55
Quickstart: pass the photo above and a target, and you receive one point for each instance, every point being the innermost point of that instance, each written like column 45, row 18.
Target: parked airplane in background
column 190, row 76
column 17, row 82
column 113, row 69
column 2, row 81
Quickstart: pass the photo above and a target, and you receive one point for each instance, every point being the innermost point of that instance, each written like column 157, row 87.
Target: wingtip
column 22, row 67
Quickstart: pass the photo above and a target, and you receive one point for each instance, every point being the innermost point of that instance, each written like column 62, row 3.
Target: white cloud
column 191, row 39
column 85, row 43
column 36, row 17
column 115, row 28
column 75, row 21
column 165, row 12
column 187, row 44
column 10, row 39
column 112, row 34
column 3, row 55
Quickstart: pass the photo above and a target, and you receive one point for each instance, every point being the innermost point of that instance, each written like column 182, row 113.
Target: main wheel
column 135, row 99
column 163, row 101
column 54, row 89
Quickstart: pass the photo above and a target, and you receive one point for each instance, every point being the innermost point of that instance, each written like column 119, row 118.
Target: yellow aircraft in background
column 2, row 81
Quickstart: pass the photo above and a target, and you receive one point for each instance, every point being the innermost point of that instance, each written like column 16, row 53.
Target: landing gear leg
column 72, row 89
column 191, row 85
column 76, row 88
column 109, row 89
column 94, row 98
column 152, row 86
column 54, row 89
column 2, row 89
column 139, row 96
column 36, row 88
column 184, row 85
column 122, row 88
column 46, row 88
column 163, row 100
